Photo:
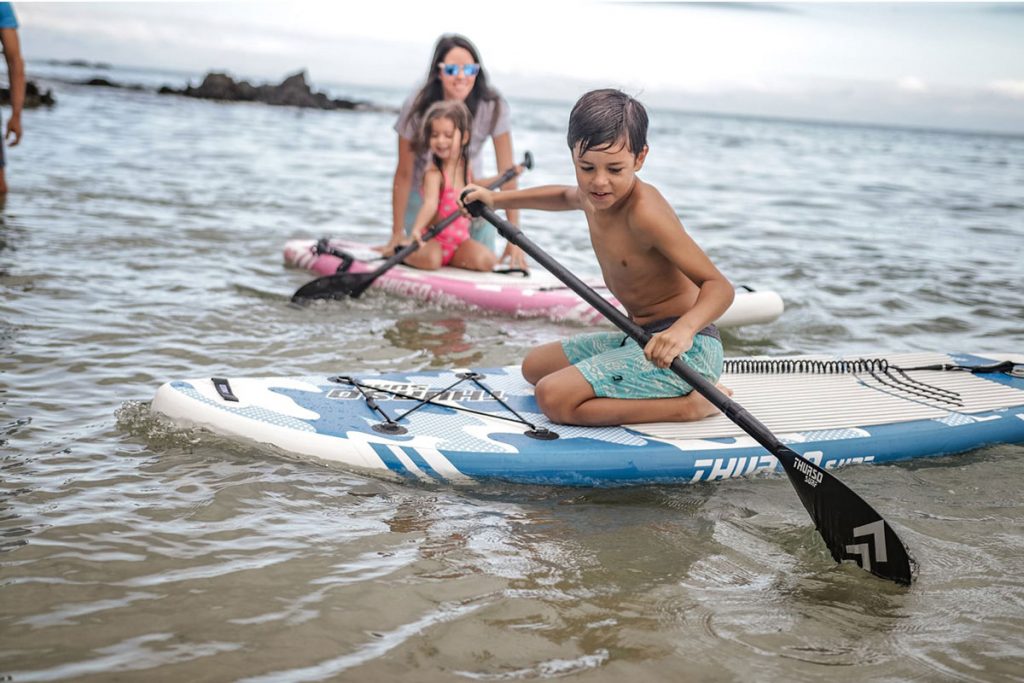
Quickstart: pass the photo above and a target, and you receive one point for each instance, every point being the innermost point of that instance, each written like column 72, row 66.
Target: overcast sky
column 923, row 64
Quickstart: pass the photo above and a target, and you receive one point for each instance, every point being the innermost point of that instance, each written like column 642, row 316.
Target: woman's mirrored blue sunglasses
column 453, row 69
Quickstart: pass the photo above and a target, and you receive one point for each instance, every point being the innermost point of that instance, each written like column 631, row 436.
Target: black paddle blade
column 850, row 527
column 330, row 287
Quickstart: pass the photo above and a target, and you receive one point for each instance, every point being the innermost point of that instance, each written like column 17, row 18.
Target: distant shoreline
column 293, row 91
column 723, row 113
column 81, row 63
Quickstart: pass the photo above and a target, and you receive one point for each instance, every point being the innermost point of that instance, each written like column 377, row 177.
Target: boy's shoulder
column 648, row 192
column 649, row 208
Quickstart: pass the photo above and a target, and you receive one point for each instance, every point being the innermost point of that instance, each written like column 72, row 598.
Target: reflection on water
column 444, row 338
column 142, row 242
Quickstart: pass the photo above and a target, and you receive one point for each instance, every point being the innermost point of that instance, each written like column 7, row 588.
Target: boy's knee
column 542, row 361
column 551, row 402
column 532, row 369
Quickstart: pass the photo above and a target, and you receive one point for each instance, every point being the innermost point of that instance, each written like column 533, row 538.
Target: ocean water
column 141, row 242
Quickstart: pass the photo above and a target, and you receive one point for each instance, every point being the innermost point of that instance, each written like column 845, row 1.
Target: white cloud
column 912, row 84
column 1008, row 88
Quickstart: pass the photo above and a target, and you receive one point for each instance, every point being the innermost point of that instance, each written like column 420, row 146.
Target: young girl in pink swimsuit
column 445, row 132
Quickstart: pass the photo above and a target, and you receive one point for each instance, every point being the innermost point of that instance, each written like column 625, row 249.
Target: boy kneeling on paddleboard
column 666, row 283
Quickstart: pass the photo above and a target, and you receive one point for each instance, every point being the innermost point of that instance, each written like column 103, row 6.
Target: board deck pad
column 801, row 402
column 831, row 418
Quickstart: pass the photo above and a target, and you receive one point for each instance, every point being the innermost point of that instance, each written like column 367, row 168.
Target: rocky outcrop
column 33, row 96
column 104, row 83
column 78, row 63
column 292, row 92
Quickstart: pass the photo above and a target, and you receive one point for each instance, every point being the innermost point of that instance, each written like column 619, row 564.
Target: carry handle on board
column 354, row 284
column 850, row 527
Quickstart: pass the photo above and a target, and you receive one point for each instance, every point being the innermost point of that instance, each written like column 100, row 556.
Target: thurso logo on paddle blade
column 812, row 475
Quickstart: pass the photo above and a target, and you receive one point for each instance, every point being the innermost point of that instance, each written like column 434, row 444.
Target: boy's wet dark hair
column 601, row 117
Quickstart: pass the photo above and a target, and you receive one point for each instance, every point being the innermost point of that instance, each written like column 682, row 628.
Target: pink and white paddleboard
column 536, row 295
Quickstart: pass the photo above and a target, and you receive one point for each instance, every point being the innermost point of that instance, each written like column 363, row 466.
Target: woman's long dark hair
column 432, row 90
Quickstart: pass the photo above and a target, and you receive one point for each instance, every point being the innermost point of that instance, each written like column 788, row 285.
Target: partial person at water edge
column 456, row 73
column 16, row 77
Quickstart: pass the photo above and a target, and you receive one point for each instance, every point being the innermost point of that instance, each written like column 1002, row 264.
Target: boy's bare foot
column 696, row 407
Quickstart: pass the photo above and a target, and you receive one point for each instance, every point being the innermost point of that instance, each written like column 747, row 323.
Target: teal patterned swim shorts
column 619, row 370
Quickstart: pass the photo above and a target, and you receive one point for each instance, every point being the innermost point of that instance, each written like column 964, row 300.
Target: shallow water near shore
column 141, row 242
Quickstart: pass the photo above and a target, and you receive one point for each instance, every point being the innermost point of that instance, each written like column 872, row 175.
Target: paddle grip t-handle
column 841, row 516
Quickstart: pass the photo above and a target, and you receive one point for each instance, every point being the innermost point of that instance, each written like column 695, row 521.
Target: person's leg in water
column 3, row 163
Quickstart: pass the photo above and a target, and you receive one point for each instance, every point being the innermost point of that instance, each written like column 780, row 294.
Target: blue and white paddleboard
column 485, row 424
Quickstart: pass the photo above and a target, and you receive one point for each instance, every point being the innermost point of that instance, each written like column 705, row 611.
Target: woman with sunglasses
column 455, row 73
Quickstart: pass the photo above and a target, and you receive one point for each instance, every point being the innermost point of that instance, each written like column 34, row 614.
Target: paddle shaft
column 430, row 234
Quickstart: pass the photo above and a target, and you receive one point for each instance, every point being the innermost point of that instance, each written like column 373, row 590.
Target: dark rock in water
column 33, row 96
column 81, row 63
column 78, row 63
column 292, row 92
column 104, row 83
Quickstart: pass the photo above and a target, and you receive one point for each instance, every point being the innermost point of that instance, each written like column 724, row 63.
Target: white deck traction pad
column 792, row 402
